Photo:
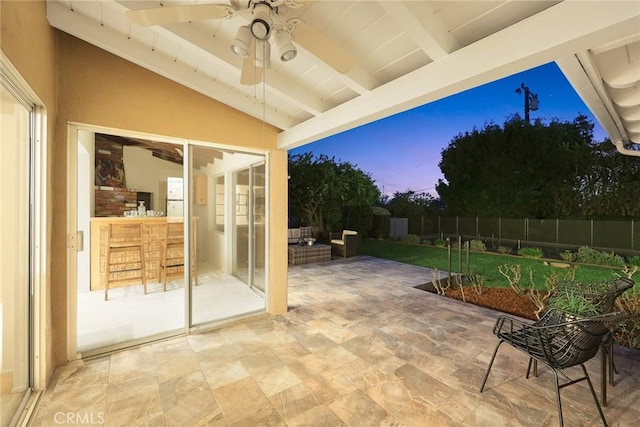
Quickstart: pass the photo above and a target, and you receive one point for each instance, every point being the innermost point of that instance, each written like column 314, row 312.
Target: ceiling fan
column 270, row 21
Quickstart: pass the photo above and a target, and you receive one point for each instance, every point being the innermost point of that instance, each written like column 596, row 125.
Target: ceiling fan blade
column 251, row 73
column 173, row 14
column 311, row 39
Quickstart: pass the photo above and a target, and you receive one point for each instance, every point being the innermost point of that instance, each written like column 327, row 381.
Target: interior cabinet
column 220, row 203
column 200, row 189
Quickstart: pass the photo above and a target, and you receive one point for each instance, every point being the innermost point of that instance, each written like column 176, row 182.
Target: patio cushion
column 348, row 233
column 306, row 232
column 293, row 235
column 337, row 242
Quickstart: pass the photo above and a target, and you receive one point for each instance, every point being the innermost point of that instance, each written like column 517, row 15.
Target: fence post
column 459, row 254
column 449, row 258
column 499, row 230
column 457, row 226
column 526, row 231
column 468, row 250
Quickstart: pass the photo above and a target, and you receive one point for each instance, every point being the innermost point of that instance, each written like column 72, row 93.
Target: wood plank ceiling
column 406, row 53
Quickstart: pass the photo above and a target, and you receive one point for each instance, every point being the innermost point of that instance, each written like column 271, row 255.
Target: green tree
column 516, row 170
column 609, row 188
column 411, row 203
column 323, row 192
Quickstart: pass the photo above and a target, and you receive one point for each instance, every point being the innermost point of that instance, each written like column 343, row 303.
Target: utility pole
column 530, row 100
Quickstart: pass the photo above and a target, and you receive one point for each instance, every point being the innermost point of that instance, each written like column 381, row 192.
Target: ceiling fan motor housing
column 262, row 23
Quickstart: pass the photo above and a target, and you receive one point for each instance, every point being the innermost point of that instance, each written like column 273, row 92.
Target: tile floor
column 218, row 296
column 359, row 347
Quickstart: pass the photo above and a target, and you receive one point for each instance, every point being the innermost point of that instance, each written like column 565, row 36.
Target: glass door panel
column 259, row 210
column 125, row 187
column 241, row 220
column 14, row 255
column 220, row 197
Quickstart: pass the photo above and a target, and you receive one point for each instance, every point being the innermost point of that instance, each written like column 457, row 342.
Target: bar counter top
column 145, row 219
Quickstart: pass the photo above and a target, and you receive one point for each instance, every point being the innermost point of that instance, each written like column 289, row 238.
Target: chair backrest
column 175, row 231
column 601, row 294
column 124, row 234
column 349, row 233
column 568, row 340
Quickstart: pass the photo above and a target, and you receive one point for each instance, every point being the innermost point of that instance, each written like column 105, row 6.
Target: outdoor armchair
column 559, row 340
column 602, row 295
column 345, row 244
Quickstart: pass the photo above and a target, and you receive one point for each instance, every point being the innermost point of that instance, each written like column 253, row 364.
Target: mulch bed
column 501, row 299
column 506, row 300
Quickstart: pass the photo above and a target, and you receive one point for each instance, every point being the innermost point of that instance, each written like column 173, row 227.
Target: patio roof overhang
column 407, row 54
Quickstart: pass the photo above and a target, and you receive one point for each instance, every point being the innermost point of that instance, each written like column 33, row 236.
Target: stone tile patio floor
column 359, row 347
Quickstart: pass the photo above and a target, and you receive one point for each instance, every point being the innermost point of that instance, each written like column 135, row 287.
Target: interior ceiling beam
column 560, row 31
column 62, row 18
column 427, row 32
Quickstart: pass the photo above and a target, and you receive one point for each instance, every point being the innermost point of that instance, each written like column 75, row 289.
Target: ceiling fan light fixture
column 242, row 42
column 286, row 49
column 261, row 24
column 263, row 54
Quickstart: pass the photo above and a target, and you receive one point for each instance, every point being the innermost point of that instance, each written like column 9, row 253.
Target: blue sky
column 402, row 152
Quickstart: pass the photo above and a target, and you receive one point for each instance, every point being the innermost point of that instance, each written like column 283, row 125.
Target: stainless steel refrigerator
column 175, row 199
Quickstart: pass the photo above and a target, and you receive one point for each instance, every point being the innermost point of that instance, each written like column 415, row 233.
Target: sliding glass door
column 169, row 236
column 128, row 191
column 15, row 254
column 222, row 209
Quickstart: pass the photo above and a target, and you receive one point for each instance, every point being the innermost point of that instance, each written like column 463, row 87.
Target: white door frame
column 39, row 274
column 72, row 220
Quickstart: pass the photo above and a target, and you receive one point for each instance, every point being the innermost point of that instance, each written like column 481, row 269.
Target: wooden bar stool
column 124, row 241
column 172, row 254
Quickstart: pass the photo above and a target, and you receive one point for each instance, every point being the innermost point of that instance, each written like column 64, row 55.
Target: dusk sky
column 402, row 152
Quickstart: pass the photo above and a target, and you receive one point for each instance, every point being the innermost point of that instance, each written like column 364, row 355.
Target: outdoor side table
column 308, row 254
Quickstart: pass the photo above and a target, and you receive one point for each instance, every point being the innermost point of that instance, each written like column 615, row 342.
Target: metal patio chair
column 603, row 295
column 559, row 340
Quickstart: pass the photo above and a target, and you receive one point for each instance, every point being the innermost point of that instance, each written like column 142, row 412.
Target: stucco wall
column 29, row 43
column 95, row 87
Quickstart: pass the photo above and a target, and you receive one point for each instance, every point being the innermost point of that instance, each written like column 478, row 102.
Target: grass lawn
column 485, row 264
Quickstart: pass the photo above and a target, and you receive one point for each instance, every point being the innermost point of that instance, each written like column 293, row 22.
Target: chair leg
column 593, row 394
column 143, row 270
column 603, row 373
column 612, row 366
column 164, row 267
column 558, row 402
column 164, row 279
column 106, row 282
column 484, row 381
